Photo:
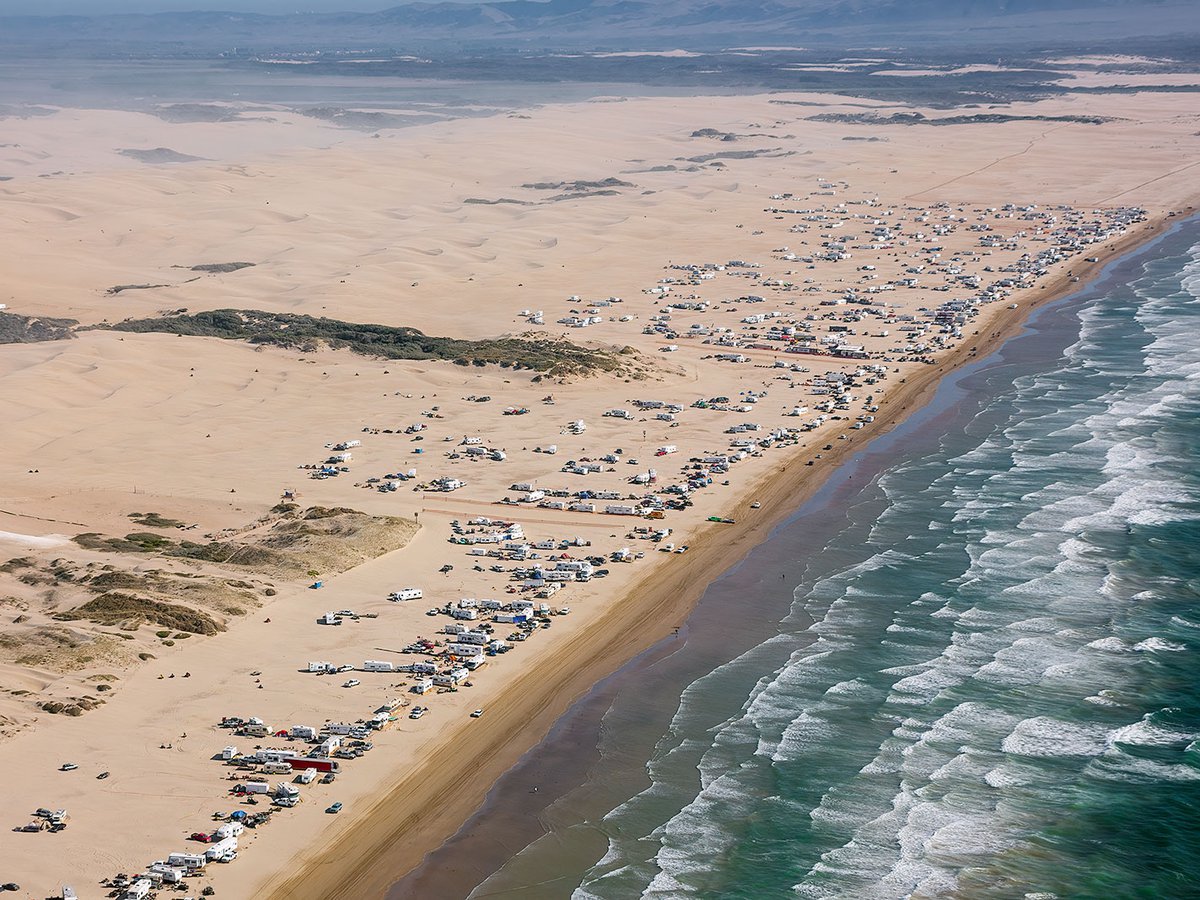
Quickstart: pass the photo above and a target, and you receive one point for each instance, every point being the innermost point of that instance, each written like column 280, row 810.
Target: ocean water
column 969, row 668
column 993, row 693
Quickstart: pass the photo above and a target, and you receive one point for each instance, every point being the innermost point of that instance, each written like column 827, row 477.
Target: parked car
column 477, row 714
column 68, row 767
column 201, row 837
column 334, row 808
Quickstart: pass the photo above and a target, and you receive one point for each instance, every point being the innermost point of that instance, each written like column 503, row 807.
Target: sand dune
column 33, row 214
column 33, row 541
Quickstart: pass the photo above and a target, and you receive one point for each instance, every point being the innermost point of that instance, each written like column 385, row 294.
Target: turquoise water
column 993, row 693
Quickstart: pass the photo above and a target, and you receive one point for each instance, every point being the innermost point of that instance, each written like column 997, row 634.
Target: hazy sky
column 99, row 7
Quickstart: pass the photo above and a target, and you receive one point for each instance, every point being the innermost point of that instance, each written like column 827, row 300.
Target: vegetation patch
column 230, row 597
column 916, row 118
column 483, row 201
column 117, row 608
column 221, row 268
column 158, row 155
column 18, row 329
column 137, row 542
column 773, row 152
column 308, row 333
column 118, row 288
column 577, row 186
column 288, row 543
column 60, row 648
column 154, row 520
column 73, row 707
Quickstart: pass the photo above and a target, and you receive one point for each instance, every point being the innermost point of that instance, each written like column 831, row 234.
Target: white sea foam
column 925, row 685
column 1108, row 697
column 855, row 687
column 1044, row 737
column 805, row 733
column 1110, row 644
column 1159, row 645
column 1123, row 767
column 1005, row 776
column 1025, row 661
column 1148, row 733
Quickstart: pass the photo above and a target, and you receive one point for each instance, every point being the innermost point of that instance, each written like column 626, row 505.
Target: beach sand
column 380, row 230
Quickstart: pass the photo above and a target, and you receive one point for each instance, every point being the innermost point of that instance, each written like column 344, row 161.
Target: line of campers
column 512, row 532
column 535, row 577
column 177, row 866
column 581, row 501
column 332, row 731
column 473, row 446
column 328, row 744
column 283, row 761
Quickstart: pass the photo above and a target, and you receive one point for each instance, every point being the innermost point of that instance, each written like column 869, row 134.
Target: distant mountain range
column 620, row 24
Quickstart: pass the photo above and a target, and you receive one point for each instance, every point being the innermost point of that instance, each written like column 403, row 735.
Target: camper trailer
column 167, row 874
column 229, row 829
column 138, row 890
column 409, row 593
column 224, row 850
column 187, row 861
column 615, row 509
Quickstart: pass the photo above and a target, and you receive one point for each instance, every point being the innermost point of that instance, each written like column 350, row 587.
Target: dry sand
column 380, row 230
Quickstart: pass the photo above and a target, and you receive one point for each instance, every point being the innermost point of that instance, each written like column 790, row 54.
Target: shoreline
column 587, row 750
column 421, row 810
